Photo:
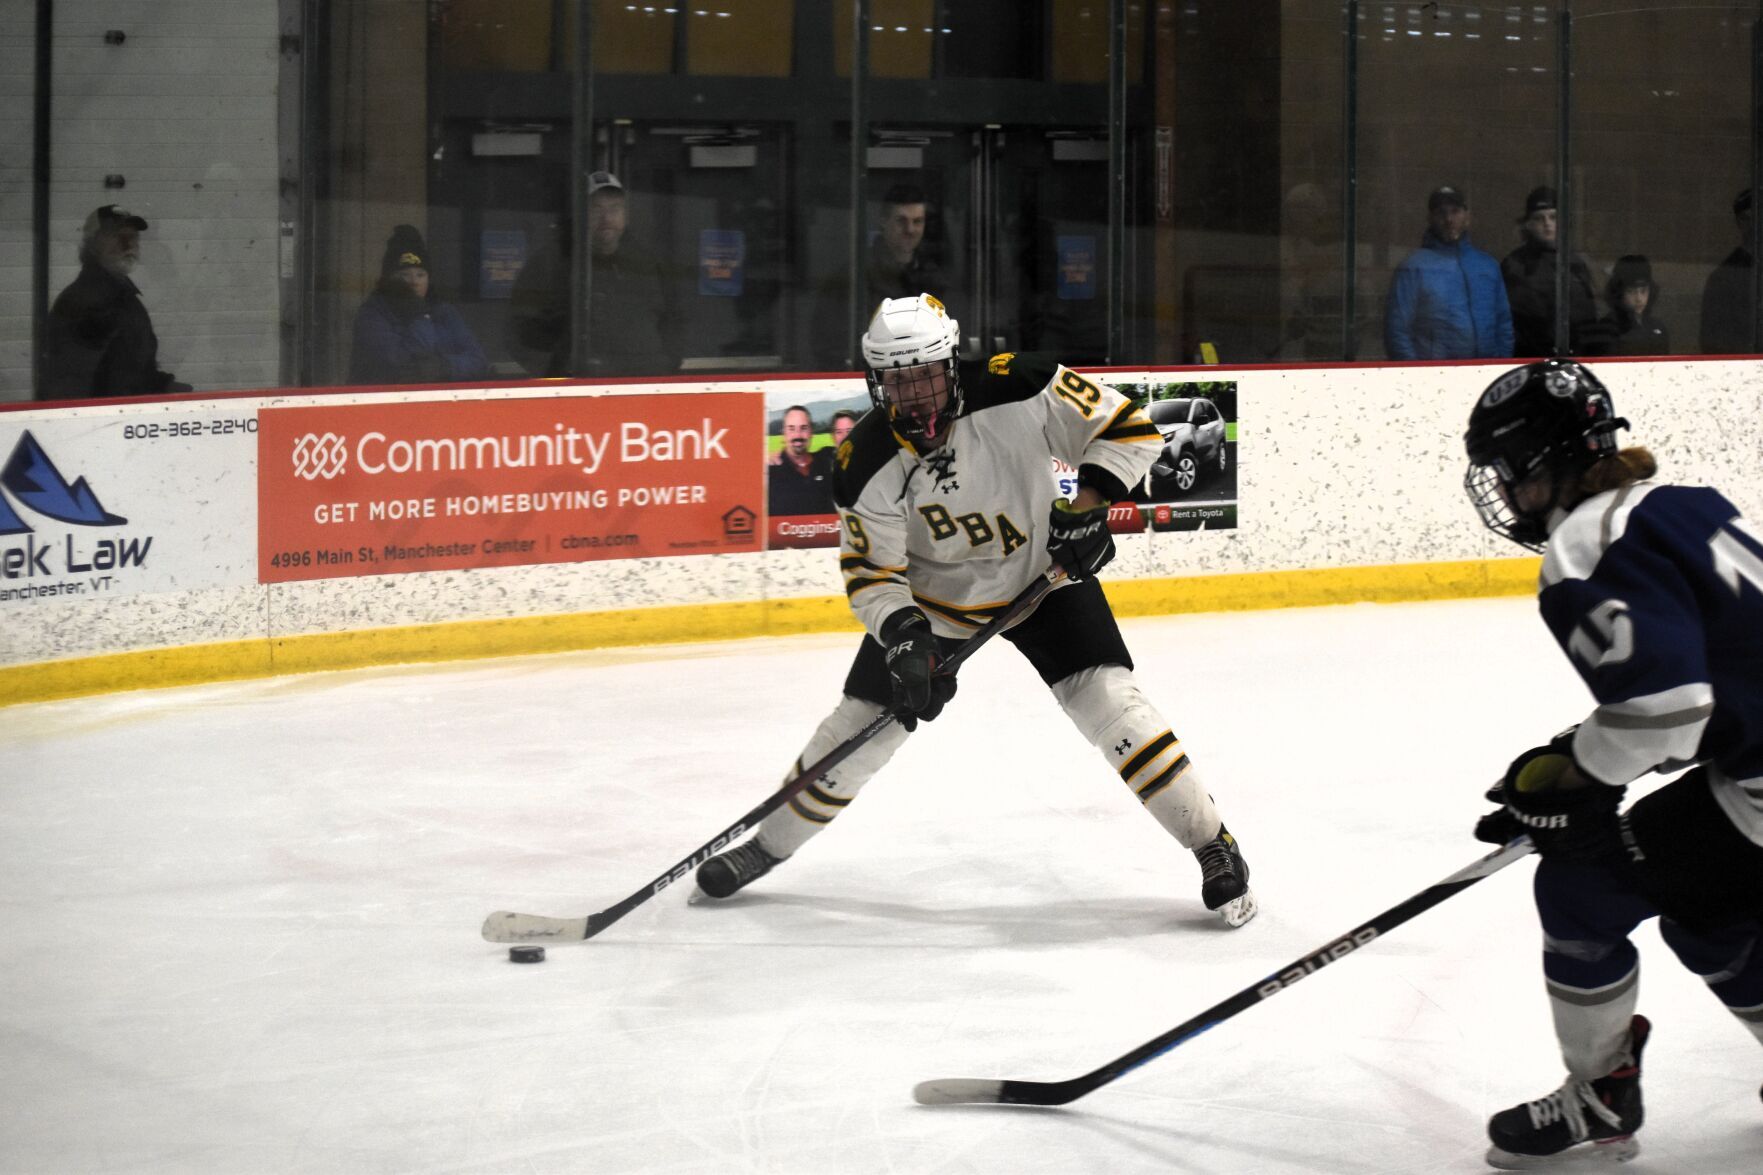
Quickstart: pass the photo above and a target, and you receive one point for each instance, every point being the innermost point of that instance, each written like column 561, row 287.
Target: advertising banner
column 100, row 506
column 1193, row 485
column 381, row 489
column 804, row 427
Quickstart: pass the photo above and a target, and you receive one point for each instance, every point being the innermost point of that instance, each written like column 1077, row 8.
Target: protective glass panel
column 1663, row 96
column 1456, row 125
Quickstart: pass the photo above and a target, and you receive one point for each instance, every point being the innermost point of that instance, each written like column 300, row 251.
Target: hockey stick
column 504, row 926
column 957, row 1090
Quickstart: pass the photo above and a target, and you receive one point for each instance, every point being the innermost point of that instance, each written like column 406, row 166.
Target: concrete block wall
column 184, row 109
column 18, row 38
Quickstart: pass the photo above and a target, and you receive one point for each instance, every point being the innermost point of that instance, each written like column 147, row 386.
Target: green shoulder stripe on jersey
column 866, row 451
column 1130, row 424
column 1006, row 379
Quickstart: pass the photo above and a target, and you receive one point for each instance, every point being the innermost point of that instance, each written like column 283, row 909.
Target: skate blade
column 1580, row 1157
column 1239, row 910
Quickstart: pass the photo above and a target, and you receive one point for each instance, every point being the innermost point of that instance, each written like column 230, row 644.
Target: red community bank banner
column 380, row 489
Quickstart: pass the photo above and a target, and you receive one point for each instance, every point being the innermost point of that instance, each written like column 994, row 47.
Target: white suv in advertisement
column 1193, row 441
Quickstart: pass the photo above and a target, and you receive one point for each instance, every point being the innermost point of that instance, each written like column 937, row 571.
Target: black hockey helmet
column 1553, row 416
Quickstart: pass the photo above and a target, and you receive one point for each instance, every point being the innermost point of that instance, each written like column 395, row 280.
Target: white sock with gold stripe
column 1107, row 705
column 813, row 808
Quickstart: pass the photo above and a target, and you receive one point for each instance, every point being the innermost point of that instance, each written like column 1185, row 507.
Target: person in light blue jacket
column 1447, row 299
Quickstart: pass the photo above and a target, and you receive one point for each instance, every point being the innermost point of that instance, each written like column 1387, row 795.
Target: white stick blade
column 503, row 926
column 951, row 1091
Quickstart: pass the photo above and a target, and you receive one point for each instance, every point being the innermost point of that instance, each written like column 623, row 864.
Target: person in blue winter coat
column 1447, row 299
column 403, row 334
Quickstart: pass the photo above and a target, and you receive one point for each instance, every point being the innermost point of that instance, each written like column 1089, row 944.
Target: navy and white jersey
column 1655, row 593
column 962, row 530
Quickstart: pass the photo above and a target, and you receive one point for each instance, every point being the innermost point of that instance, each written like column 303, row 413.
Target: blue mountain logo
column 31, row 478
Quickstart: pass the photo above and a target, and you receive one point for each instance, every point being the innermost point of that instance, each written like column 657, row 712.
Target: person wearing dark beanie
column 403, row 333
column 1632, row 326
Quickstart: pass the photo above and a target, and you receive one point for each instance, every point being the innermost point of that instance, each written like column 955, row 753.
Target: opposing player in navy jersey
column 1655, row 593
column 948, row 508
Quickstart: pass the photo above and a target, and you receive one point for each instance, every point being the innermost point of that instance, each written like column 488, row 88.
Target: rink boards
column 156, row 542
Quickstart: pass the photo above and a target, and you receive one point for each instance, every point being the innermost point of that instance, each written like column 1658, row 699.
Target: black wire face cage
column 1489, row 490
column 1552, row 417
column 919, row 409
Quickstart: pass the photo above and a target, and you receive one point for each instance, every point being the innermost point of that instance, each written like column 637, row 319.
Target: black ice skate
column 1224, row 879
column 726, row 873
column 1604, row 1113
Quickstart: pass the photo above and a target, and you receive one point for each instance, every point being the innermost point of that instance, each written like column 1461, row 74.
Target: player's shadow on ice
column 1168, row 1147
column 1084, row 920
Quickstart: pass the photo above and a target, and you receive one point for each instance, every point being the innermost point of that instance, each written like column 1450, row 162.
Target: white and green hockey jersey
column 961, row 530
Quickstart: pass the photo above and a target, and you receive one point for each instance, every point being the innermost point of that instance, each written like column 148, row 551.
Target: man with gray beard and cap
column 100, row 340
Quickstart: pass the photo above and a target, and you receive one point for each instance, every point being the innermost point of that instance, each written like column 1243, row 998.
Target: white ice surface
column 240, row 922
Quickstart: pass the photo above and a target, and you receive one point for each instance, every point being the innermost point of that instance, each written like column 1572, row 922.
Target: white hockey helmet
column 910, row 349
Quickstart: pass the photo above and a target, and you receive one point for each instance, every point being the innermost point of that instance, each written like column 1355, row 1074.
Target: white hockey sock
column 813, row 808
column 1592, row 1026
column 1106, row 704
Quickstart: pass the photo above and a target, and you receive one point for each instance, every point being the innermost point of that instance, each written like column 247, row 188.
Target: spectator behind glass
column 1447, row 300
column 99, row 339
column 634, row 323
column 1529, row 272
column 1729, row 300
column 799, row 483
column 403, row 333
column 1630, row 326
column 896, row 265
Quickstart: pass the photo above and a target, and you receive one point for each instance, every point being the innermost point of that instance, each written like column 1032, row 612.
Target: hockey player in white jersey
column 1655, row 593
column 947, row 503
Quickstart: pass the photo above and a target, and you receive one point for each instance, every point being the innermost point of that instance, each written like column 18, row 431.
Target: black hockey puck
column 526, row 954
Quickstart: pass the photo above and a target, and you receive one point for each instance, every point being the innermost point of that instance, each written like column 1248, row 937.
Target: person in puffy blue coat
column 403, row 333
column 1447, row 299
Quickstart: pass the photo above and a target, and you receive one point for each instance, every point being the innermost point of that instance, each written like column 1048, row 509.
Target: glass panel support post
column 1116, row 290
column 581, row 164
column 40, row 144
column 1564, row 182
column 856, row 286
column 1755, row 244
column 1350, row 181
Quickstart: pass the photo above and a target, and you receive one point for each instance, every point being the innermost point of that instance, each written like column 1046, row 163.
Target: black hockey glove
column 1573, row 824
column 1498, row 827
column 913, row 657
column 1079, row 540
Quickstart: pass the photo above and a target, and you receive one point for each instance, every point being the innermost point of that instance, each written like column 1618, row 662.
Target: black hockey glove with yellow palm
column 914, row 656
column 1569, row 815
column 1079, row 540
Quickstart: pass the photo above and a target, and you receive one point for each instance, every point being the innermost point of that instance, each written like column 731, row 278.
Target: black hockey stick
column 955, row 1090
column 504, row 926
